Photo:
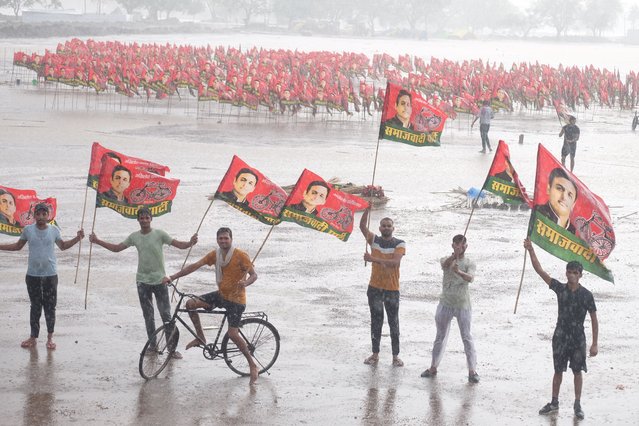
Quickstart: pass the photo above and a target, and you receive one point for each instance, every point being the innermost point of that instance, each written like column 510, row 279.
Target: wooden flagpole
column 84, row 209
column 264, row 242
column 372, row 184
column 197, row 231
column 521, row 281
column 86, row 289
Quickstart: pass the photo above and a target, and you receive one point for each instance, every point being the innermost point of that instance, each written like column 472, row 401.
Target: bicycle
column 262, row 340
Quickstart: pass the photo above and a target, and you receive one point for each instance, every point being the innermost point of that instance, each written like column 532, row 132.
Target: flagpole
column 84, row 210
column 86, row 289
column 264, row 242
column 521, row 281
column 197, row 231
column 475, row 201
column 370, row 204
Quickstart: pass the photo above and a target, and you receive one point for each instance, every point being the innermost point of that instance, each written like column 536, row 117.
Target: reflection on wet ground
column 40, row 384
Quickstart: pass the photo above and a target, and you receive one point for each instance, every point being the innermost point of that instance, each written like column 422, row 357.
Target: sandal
column 429, row 373
column 398, row 362
column 371, row 360
column 29, row 343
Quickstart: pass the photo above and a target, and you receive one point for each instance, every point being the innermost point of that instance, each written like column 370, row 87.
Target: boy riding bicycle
column 231, row 267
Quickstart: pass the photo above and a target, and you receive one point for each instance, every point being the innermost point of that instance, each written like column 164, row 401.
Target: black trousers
column 378, row 300
column 43, row 294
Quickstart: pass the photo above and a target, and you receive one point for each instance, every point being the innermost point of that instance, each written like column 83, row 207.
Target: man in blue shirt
column 42, row 274
column 485, row 115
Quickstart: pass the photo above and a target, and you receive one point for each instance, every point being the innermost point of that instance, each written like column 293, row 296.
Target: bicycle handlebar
column 181, row 294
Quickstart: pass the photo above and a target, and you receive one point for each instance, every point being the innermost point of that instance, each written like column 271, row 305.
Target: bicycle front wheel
column 158, row 350
column 263, row 342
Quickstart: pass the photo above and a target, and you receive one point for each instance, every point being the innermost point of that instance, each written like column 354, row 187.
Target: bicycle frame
column 211, row 350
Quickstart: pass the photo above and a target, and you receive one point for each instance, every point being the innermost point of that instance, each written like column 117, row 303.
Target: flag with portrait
column 17, row 209
column 98, row 153
column 568, row 220
column 502, row 179
column 314, row 203
column 124, row 188
column 249, row 191
column 408, row 118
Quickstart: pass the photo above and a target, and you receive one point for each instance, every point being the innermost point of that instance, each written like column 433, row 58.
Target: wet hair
column 389, row 219
column 120, row 168
column 144, row 211
column 4, row 191
column 249, row 171
column 224, row 230
column 459, row 238
column 573, row 265
column 41, row 207
column 318, row 183
column 558, row 172
column 401, row 93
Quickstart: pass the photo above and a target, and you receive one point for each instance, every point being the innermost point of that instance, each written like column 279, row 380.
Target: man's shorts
column 233, row 310
column 564, row 350
column 569, row 149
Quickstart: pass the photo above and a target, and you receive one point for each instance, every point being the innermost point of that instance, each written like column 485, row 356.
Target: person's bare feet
column 254, row 375
column 29, row 343
column 192, row 344
column 51, row 344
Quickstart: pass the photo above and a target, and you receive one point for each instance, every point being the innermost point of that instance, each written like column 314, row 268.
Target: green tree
column 248, row 8
column 131, row 5
column 559, row 14
column 17, row 5
column 212, row 6
column 291, row 10
column 599, row 15
column 372, row 11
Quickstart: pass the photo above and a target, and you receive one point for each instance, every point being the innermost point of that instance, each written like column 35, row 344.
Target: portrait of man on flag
column 315, row 204
column 124, row 188
column 568, row 220
column 408, row 118
column 249, row 191
column 17, row 209
column 99, row 153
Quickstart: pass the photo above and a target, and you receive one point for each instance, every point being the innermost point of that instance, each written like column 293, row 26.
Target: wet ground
column 313, row 286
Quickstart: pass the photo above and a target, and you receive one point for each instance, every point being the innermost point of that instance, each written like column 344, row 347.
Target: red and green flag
column 98, row 153
column 408, row 118
column 17, row 209
column 314, row 203
column 502, row 179
column 249, row 191
column 568, row 220
column 124, row 188
column 563, row 112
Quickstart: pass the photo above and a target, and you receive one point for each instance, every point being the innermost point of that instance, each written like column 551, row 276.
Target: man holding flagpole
column 569, row 338
column 42, row 274
column 383, row 289
column 149, row 242
column 459, row 272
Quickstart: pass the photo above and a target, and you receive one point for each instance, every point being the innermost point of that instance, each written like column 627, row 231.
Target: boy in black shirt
column 569, row 339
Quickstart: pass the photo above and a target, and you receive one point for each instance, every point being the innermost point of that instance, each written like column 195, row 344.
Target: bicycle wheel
column 158, row 350
column 263, row 342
